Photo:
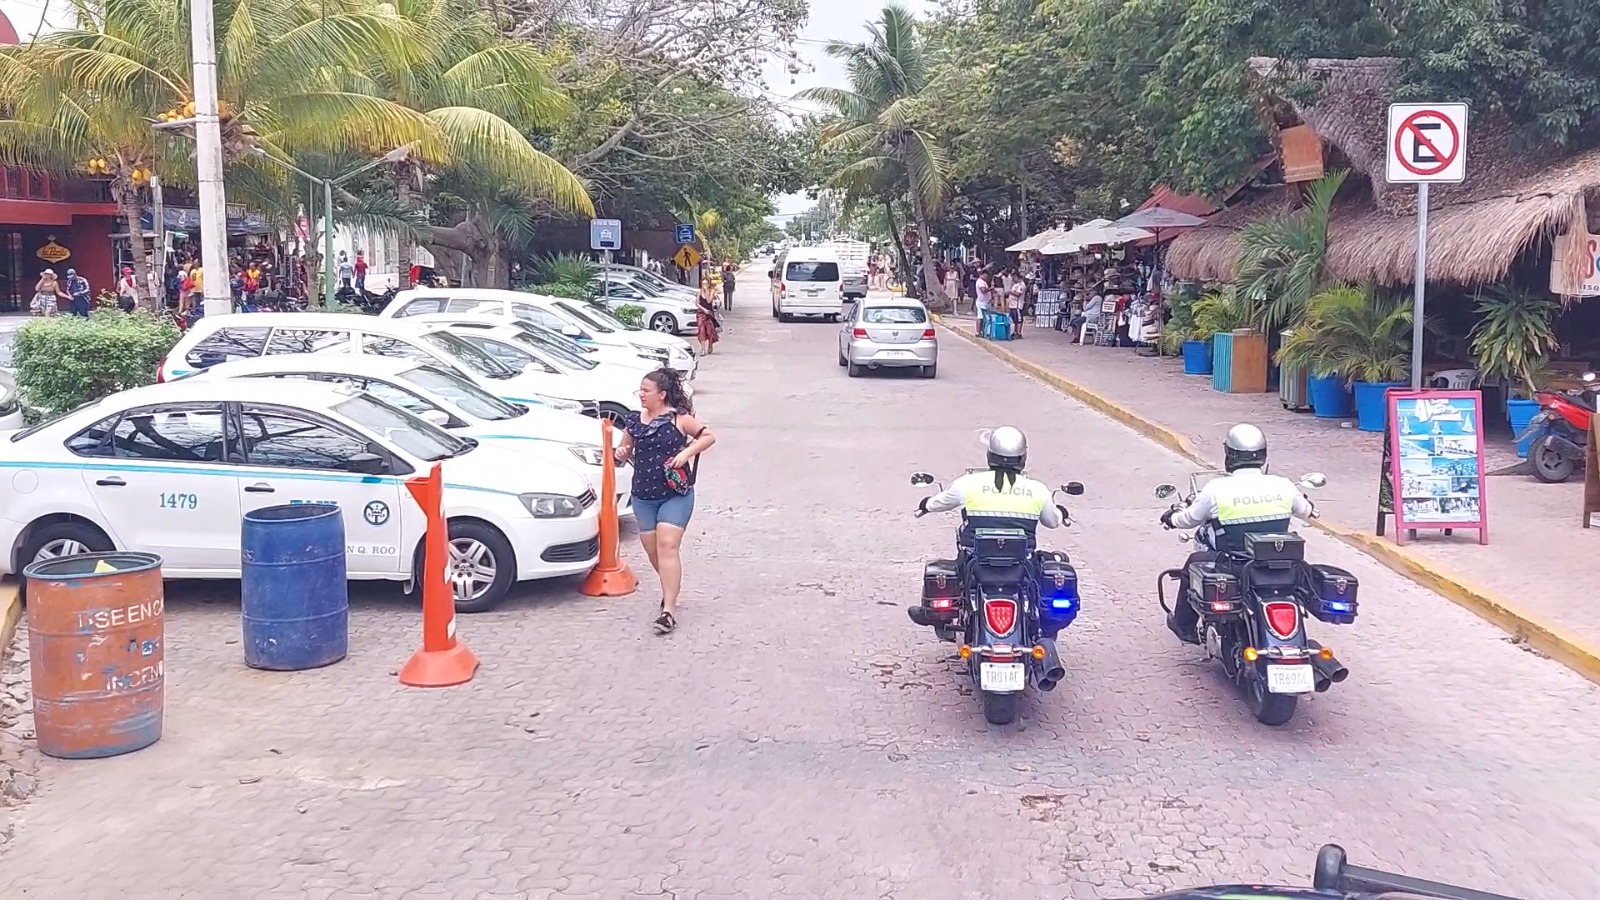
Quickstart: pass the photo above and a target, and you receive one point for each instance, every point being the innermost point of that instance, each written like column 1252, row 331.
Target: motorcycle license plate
column 1290, row 679
column 1002, row 677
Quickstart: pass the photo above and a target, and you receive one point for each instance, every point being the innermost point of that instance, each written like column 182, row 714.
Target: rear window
column 421, row 307
column 226, row 344
column 811, row 271
column 894, row 315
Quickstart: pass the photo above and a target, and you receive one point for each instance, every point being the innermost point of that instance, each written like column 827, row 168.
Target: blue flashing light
column 1332, row 606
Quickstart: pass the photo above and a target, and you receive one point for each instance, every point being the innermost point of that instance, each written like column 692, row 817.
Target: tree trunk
column 899, row 245
column 935, row 299
column 143, row 260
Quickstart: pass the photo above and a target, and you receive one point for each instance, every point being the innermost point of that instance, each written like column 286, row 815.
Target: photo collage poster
column 1440, row 477
column 1048, row 307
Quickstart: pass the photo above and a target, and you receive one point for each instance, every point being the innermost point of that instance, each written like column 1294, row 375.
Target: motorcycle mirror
column 1314, row 479
column 983, row 436
column 1073, row 488
column 1163, row 491
column 920, row 478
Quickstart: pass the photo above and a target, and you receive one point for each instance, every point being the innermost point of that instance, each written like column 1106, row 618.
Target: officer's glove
column 1166, row 518
column 922, row 506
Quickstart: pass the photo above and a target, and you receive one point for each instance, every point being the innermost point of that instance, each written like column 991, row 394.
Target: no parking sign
column 1427, row 143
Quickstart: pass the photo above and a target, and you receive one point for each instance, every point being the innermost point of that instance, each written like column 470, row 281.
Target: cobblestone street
column 799, row 737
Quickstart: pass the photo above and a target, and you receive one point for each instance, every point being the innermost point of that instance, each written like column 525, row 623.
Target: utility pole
column 208, row 161
column 157, row 276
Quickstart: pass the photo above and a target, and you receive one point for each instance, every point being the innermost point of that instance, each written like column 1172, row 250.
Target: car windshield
column 29, row 432
column 554, row 350
column 812, row 271
column 473, row 400
column 645, row 287
column 606, row 321
column 894, row 315
column 413, row 434
column 555, row 338
column 589, row 316
column 476, row 359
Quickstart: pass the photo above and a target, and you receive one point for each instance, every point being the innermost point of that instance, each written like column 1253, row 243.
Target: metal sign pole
column 1420, row 291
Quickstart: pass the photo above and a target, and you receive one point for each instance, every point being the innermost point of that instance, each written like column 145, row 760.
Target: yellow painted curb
column 1552, row 640
column 10, row 612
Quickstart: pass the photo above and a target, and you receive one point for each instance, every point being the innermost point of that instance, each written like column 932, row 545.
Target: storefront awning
column 188, row 222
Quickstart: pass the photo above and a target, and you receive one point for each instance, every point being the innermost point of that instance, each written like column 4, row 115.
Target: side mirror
column 437, row 416
column 1314, row 480
column 571, row 331
column 1073, row 488
column 921, row 478
column 1163, row 491
column 368, row 464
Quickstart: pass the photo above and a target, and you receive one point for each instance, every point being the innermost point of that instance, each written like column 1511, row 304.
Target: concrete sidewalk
column 1522, row 580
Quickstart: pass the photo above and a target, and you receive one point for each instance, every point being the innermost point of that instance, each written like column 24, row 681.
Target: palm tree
column 877, row 122
column 1281, row 260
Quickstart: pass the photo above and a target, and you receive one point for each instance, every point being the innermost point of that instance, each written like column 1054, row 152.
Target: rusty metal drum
column 96, row 638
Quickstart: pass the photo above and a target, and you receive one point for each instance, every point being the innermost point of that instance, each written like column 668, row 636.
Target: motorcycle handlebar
column 1335, row 874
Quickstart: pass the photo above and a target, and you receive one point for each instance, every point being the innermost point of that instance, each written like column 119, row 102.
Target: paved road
column 798, row 737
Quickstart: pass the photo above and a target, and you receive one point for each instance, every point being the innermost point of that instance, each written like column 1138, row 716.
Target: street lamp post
column 208, row 162
column 398, row 154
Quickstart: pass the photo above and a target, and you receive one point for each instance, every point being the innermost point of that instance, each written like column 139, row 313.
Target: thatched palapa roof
column 1513, row 196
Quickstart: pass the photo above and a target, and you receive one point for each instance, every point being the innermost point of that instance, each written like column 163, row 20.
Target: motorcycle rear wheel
column 1000, row 709
column 1269, row 708
column 1550, row 465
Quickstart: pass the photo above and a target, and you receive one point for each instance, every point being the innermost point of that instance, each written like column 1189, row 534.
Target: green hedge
column 64, row 361
column 630, row 314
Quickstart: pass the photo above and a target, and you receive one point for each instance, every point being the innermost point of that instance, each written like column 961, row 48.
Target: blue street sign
column 605, row 234
column 685, row 233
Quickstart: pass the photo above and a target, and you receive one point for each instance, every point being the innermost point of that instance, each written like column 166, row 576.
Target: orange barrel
column 95, row 637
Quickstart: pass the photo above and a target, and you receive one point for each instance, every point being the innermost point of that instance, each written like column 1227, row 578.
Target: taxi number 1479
column 179, row 501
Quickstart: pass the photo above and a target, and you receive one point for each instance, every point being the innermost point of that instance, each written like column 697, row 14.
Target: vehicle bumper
column 624, row 474
column 553, row 548
column 867, row 353
column 810, row 307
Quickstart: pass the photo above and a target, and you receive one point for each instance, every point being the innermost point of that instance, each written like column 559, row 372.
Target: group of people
column 51, row 289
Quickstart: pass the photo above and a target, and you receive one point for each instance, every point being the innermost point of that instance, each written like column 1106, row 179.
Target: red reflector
column 1002, row 615
column 1282, row 618
column 859, row 333
column 929, row 335
column 942, row 603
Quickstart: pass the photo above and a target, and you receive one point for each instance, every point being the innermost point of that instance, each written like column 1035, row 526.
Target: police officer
column 1247, row 500
column 1002, row 491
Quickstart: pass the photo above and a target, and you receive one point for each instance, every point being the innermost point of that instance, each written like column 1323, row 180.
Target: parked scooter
column 1003, row 601
column 1560, row 432
column 1252, row 600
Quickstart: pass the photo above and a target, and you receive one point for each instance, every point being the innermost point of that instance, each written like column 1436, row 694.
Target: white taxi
column 171, row 469
column 447, row 399
column 556, row 342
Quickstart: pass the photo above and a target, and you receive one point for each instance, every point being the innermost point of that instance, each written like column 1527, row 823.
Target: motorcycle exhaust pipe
column 1328, row 672
column 1050, row 667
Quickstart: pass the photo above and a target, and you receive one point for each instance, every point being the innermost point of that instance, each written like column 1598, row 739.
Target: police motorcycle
column 1252, row 600
column 1003, row 602
column 1336, row 878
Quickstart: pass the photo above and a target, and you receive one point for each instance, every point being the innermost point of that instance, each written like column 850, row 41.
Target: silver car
column 888, row 332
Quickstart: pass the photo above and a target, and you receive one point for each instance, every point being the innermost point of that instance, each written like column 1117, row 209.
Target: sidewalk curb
column 1552, row 640
column 10, row 612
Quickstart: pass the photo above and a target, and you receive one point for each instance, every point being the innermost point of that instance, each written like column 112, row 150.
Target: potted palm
column 1355, row 336
column 1221, row 311
column 1512, row 341
column 1179, row 337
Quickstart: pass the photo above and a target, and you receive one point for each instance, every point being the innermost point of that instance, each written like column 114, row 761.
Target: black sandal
column 665, row 623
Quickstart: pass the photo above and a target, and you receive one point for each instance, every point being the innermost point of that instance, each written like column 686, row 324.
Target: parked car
column 669, row 312
column 661, row 283
column 218, row 339
column 555, row 341
column 888, row 333
column 451, row 401
column 171, row 469
column 577, row 320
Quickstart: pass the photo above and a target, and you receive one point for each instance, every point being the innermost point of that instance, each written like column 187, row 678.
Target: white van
column 806, row 281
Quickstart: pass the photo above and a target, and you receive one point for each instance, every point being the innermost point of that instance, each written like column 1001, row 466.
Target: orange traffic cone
column 442, row 660
column 610, row 577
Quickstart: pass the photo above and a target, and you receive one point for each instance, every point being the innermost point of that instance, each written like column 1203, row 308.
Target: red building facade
column 51, row 222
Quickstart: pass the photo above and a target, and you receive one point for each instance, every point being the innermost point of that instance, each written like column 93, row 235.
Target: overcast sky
column 25, row 14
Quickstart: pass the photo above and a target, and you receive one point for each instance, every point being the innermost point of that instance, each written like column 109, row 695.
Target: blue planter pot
column 1521, row 412
column 1330, row 399
column 1197, row 357
column 1371, row 409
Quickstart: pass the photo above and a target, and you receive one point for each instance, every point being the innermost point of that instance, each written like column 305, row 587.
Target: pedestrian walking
column 952, row 288
column 727, row 284
column 707, row 327
column 985, row 299
column 359, row 267
column 79, row 294
column 664, row 442
column 45, row 294
column 127, row 291
column 346, row 270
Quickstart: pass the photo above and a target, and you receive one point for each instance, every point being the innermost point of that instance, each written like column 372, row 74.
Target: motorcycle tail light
column 1282, row 618
column 942, row 603
column 1001, row 615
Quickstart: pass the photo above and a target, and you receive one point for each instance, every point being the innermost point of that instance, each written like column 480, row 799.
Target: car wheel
column 842, row 361
column 481, row 566
column 617, row 413
column 664, row 323
column 853, row 370
column 785, row 317
column 62, row 539
column 930, row 371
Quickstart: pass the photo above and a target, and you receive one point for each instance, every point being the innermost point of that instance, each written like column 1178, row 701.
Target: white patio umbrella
column 1160, row 218
column 1093, row 234
column 1033, row 243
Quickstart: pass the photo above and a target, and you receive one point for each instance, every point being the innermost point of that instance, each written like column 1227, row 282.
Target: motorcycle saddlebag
column 1333, row 595
column 1213, row 593
column 941, row 589
column 1275, row 549
column 1058, row 592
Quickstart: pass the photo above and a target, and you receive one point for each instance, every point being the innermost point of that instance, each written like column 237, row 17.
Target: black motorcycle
column 1334, row 878
column 1003, row 601
column 1252, row 599
column 368, row 302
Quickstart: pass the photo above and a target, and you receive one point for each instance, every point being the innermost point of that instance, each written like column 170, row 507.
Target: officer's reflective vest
column 1023, row 499
column 1246, row 499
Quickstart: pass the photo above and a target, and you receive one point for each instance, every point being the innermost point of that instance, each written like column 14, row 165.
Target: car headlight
column 552, row 506
column 557, row 403
column 588, row 454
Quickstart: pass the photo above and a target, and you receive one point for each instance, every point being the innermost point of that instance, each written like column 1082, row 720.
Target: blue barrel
column 294, row 593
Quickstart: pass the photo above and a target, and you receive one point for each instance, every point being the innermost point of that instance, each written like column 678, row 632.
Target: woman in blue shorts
column 664, row 443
